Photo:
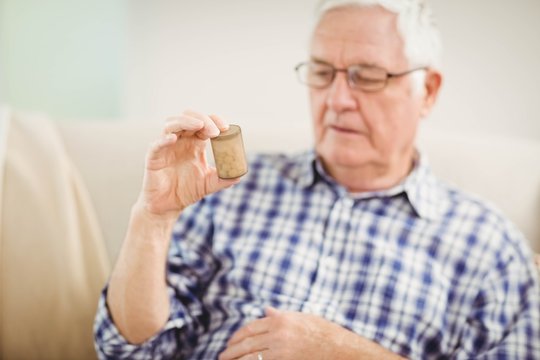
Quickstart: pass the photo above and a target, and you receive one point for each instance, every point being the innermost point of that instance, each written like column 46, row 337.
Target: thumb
column 216, row 184
column 272, row 312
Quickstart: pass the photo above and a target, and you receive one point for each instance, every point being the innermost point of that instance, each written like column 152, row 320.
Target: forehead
column 365, row 35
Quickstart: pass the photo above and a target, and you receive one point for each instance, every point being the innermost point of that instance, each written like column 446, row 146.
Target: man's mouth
column 343, row 130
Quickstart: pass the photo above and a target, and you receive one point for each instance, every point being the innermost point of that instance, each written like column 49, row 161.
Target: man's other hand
column 286, row 335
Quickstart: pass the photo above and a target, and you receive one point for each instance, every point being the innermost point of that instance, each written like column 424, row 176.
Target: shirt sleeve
column 190, row 267
column 505, row 320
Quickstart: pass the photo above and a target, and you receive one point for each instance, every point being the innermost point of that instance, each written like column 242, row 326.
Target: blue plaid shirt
column 422, row 269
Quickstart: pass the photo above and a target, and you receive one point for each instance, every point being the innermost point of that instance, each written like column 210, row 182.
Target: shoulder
column 484, row 228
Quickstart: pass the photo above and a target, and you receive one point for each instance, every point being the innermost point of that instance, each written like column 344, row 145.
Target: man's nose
column 340, row 96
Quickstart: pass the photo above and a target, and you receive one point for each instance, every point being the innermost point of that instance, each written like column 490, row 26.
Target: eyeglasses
column 367, row 78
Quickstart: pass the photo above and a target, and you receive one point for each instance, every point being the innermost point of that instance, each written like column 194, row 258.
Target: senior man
column 351, row 251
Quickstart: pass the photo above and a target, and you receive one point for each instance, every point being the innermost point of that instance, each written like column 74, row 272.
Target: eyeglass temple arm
column 391, row 75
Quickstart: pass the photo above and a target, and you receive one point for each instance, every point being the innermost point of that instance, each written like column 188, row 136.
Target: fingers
column 246, row 349
column 191, row 122
column 220, row 123
column 217, row 184
column 256, row 327
column 255, row 356
column 156, row 148
column 210, row 129
column 178, row 124
column 272, row 312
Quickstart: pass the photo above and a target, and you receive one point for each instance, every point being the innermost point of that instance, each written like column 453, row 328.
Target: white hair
column 416, row 26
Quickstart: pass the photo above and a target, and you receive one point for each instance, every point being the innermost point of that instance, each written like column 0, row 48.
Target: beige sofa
column 51, row 279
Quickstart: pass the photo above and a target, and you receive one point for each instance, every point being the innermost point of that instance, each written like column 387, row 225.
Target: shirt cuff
column 110, row 342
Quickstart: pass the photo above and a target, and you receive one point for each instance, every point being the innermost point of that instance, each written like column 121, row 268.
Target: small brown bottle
column 229, row 154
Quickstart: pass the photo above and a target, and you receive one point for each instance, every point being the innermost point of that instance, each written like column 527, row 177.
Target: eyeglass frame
column 389, row 75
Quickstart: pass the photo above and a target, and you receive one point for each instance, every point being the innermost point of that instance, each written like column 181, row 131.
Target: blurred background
column 145, row 60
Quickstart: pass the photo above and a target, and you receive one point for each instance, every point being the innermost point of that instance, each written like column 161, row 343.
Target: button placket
column 335, row 235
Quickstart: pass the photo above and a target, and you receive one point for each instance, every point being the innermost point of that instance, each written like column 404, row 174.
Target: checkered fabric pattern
column 422, row 269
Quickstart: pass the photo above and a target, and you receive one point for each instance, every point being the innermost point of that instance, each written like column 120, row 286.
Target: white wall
column 492, row 57
column 63, row 57
column 236, row 58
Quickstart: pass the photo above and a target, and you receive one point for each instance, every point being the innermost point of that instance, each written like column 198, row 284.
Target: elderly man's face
column 354, row 128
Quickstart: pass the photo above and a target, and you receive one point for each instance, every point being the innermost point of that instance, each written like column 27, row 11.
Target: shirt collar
column 424, row 190
column 305, row 172
column 421, row 187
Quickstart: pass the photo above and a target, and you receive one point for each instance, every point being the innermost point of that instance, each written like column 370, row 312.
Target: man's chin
column 346, row 158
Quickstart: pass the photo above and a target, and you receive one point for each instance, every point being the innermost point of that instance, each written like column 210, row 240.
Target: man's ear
column 432, row 85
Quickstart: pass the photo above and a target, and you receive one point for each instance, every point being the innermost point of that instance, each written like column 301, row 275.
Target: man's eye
column 320, row 76
column 322, row 73
column 358, row 78
column 366, row 80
